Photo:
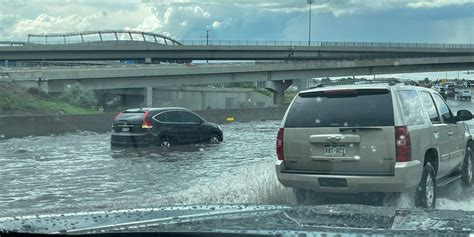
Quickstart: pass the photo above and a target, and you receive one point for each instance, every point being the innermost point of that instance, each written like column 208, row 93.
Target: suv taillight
column 117, row 115
column 403, row 144
column 146, row 123
column 279, row 144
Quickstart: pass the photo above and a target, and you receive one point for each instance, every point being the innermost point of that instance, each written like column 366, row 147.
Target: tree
column 75, row 95
column 326, row 80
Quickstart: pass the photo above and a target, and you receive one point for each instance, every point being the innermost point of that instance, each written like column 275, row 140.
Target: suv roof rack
column 390, row 82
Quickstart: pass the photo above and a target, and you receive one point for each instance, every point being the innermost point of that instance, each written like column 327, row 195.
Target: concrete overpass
column 137, row 45
column 126, row 50
column 295, row 61
column 278, row 76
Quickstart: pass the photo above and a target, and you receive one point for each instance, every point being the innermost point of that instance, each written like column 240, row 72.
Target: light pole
column 310, row 2
column 207, row 42
column 207, row 37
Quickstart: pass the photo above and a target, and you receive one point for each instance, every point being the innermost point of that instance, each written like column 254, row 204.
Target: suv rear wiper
column 358, row 128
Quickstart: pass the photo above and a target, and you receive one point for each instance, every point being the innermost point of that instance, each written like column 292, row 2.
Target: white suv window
column 430, row 107
column 443, row 108
column 411, row 107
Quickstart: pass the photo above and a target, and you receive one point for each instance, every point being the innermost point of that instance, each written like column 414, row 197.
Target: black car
column 443, row 93
column 162, row 127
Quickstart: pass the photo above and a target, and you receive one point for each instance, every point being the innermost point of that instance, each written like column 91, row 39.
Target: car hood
column 251, row 219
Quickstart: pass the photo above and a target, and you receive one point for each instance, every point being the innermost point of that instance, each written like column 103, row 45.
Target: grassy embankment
column 15, row 100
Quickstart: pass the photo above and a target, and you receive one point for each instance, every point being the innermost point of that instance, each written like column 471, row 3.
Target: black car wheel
column 467, row 169
column 425, row 194
column 214, row 138
column 165, row 143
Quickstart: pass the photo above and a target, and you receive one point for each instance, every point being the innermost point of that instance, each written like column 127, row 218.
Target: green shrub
column 7, row 103
column 75, row 95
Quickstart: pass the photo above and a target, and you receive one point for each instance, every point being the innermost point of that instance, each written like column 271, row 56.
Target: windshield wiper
column 358, row 128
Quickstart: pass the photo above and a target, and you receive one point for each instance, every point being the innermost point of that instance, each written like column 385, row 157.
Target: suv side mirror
column 463, row 115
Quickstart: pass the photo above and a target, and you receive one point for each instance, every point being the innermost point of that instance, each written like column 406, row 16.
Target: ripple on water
column 79, row 170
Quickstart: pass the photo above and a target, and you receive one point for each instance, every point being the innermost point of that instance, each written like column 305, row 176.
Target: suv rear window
column 342, row 108
column 130, row 115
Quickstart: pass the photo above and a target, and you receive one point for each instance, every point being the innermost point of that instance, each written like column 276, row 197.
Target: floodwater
column 80, row 172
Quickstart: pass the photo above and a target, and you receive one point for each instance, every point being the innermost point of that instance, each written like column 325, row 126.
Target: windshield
column 218, row 107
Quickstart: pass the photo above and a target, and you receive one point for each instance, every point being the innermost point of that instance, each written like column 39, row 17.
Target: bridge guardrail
column 253, row 43
column 324, row 44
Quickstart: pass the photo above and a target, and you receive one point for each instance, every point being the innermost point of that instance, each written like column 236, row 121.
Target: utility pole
column 207, row 42
column 310, row 2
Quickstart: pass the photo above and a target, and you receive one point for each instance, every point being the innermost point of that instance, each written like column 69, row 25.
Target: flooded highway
column 80, row 172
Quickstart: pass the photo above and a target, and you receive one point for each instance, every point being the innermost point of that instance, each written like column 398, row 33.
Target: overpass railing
column 324, row 44
column 251, row 43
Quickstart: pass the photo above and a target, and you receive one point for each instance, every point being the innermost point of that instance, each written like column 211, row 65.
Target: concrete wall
column 209, row 98
column 43, row 125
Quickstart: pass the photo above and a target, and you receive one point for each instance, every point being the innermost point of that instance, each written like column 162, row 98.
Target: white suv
column 373, row 139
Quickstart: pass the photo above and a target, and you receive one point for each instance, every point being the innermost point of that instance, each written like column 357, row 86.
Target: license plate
column 125, row 129
column 334, row 150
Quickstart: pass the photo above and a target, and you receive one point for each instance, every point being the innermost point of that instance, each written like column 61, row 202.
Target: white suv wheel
column 467, row 169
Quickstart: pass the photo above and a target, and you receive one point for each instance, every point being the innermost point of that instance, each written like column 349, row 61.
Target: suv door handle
column 450, row 133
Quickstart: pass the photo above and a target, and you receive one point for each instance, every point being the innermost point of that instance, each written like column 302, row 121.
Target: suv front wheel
column 214, row 138
column 467, row 169
column 425, row 194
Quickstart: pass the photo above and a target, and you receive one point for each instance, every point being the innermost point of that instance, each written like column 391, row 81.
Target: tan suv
column 373, row 139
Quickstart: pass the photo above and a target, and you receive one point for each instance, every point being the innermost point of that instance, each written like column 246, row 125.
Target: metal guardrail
column 77, row 42
column 325, row 44
column 251, row 43
column 11, row 44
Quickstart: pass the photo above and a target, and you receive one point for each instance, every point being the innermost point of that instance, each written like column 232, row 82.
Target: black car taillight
column 146, row 123
column 117, row 115
column 279, row 144
column 403, row 144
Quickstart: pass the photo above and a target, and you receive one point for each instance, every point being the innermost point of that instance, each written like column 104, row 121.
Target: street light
column 207, row 37
column 310, row 3
column 207, row 42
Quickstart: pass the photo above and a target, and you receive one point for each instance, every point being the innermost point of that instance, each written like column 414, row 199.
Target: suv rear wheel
column 425, row 194
column 467, row 169
column 302, row 196
column 164, row 142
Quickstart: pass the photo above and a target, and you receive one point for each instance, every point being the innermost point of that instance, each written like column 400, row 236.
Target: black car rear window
column 342, row 108
column 130, row 115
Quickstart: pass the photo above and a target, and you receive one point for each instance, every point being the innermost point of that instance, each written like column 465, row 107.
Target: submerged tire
column 214, row 138
column 425, row 194
column 165, row 143
column 302, row 196
column 467, row 169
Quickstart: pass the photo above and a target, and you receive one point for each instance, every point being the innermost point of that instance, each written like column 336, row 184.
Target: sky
column 440, row 21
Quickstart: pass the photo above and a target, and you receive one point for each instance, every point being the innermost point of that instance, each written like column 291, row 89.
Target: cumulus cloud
column 216, row 24
column 177, row 20
column 437, row 3
column 245, row 19
column 48, row 24
column 150, row 23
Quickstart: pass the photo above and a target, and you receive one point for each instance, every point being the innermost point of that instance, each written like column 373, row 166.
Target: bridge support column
column 278, row 88
column 42, row 85
column 149, row 96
